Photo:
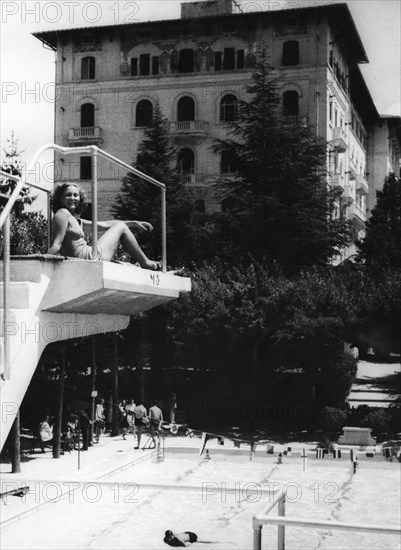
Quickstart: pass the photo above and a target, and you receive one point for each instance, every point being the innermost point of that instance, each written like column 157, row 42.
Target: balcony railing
column 361, row 184
column 335, row 181
column 295, row 120
column 190, row 127
column 339, row 140
column 358, row 215
column 195, row 179
column 87, row 135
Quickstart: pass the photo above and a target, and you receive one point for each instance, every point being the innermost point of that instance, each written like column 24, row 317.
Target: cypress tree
column 277, row 207
column 381, row 247
column 141, row 200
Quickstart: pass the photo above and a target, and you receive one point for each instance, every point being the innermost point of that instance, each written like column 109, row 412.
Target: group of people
column 135, row 419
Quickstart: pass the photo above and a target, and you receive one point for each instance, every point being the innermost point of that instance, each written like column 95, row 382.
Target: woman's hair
column 58, row 193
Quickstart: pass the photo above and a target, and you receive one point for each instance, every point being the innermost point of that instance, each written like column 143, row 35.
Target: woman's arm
column 60, row 224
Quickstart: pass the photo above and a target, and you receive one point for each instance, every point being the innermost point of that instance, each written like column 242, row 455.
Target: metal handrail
column 5, row 221
column 14, row 197
column 281, row 521
column 94, row 151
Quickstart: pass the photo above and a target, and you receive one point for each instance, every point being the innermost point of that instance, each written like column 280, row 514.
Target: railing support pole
column 49, row 221
column 164, row 231
column 6, row 293
column 281, row 528
column 94, row 203
column 257, row 536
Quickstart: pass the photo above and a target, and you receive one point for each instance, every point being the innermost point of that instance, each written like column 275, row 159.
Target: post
column 115, row 427
column 49, row 221
column 304, row 458
column 257, row 536
column 6, row 293
column 16, row 445
column 281, row 528
column 79, row 440
column 59, row 417
column 354, row 461
column 93, row 388
column 94, row 204
column 164, row 231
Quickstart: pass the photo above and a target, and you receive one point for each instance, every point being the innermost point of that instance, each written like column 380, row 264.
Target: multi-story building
column 108, row 80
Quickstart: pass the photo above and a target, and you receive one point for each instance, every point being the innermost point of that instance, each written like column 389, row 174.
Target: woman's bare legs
column 119, row 232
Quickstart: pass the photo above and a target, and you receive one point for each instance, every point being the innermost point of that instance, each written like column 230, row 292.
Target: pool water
column 216, row 499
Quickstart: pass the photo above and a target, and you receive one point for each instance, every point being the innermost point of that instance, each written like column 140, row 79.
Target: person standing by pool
column 155, row 417
column 130, row 408
column 45, row 433
column 123, row 418
column 141, row 415
column 100, row 422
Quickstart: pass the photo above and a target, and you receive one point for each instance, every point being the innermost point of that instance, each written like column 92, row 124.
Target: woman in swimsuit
column 69, row 237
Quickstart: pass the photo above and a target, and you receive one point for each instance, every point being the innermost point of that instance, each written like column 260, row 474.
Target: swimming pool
column 216, row 498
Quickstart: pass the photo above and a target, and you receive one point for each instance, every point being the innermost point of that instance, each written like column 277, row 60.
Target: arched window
column 87, row 115
column 290, row 103
column 228, row 108
column 186, row 109
column 144, row 113
column 186, row 161
column 228, row 163
column 290, row 52
column 88, row 68
column 186, row 61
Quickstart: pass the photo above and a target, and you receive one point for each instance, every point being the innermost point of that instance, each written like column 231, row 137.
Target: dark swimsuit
column 171, row 540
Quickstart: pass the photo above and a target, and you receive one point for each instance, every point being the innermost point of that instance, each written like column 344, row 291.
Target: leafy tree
column 139, row 199
column 28, row 229
column 377, row 306
column 12, row 164
column 381, row 247
column 245, row 323
column 277, row 206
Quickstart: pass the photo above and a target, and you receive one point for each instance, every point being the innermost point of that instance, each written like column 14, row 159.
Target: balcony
column 358, row 216
column 90, row 135
column 190, row 128
column 347, row 198
column 361, row 185
column 338, row 141
column 295, row 120
column 195, row 179
column 335, row 182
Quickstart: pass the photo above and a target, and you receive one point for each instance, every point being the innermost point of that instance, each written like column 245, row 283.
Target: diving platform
column 47, row 299
column 51, row 298
column 95, row 286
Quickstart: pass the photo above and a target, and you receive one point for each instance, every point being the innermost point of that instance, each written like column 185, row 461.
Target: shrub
column 379, row 420
column 333, row 420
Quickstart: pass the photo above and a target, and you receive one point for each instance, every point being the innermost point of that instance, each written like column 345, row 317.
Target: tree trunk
column 16, row 445
column 93, row 388
column 59, row 415
column 142, row 360
column 114, row 370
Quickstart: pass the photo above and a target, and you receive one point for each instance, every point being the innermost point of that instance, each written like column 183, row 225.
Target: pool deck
column 114, row 452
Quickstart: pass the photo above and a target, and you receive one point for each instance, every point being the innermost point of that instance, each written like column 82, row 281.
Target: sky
column 27, row 67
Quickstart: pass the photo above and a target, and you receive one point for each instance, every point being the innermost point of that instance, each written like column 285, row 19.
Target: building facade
column 109, row 79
